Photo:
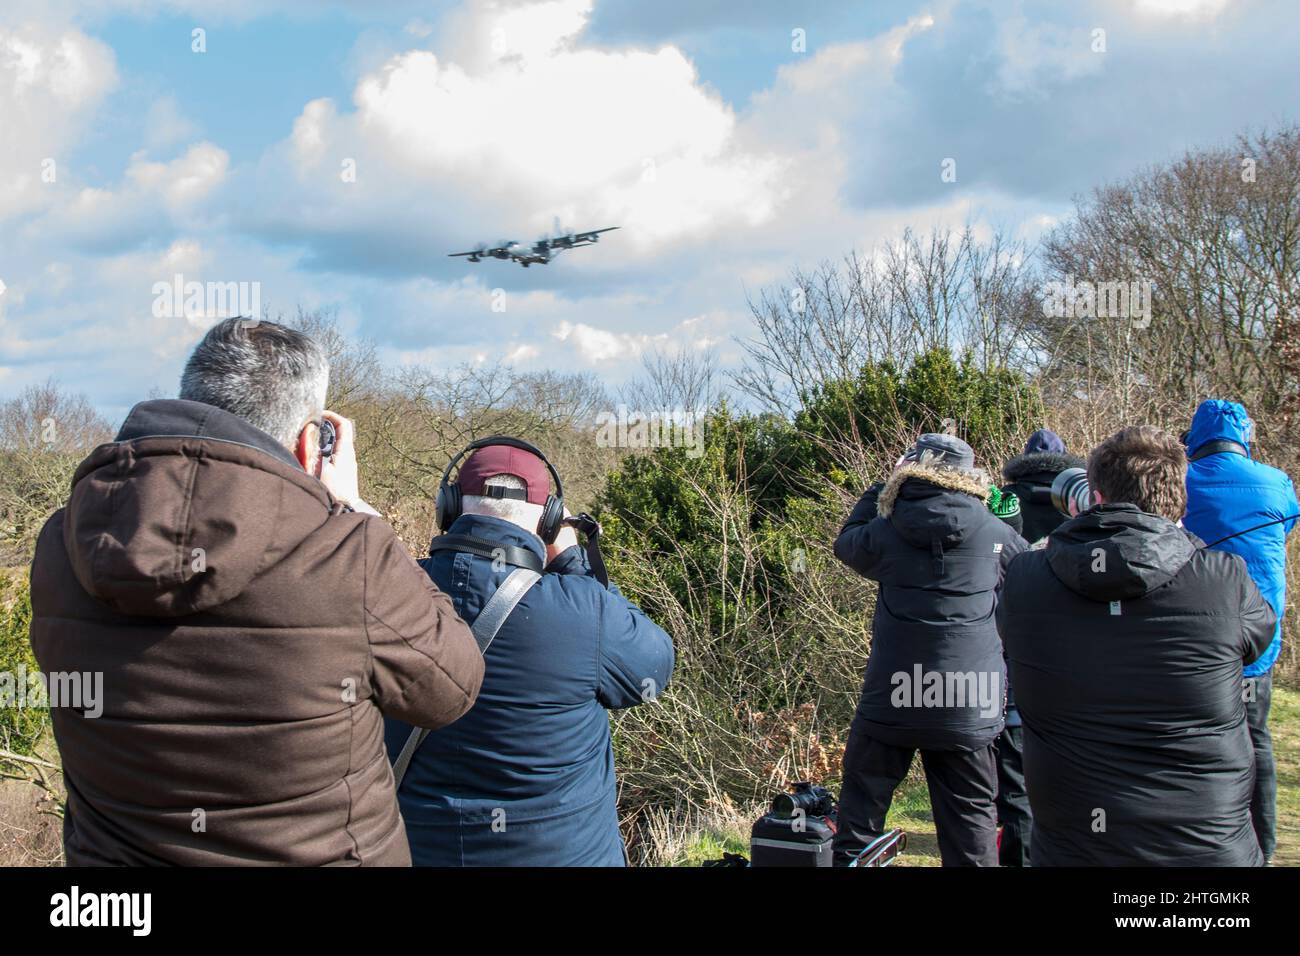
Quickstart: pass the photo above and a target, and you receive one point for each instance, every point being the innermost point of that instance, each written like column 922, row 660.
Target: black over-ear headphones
column 450, row 500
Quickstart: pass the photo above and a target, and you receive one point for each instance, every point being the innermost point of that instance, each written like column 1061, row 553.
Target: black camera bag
column 778, row 840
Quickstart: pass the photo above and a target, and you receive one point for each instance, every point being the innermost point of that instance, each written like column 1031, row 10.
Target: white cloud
column 1034, row 54
column 600, row 345
column 1184, row 9
column 120, row 287
column 487, row 32
column 166, row 125
column 152, row 198
column 823, row 72
column 185, row 180
column 51, row 80
column 522, row 353
column 806, row 108
column 418, row 28
column 522, row 123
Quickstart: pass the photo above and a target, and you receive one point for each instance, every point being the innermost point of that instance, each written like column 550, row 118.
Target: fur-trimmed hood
column 974, row 483
column 927, row 536
column 1039, row 462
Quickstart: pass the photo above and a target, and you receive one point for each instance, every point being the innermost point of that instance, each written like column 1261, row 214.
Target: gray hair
column 271, row 376
column 515, row 510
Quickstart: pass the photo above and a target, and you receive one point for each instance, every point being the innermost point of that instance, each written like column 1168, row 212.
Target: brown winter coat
column 249, row 631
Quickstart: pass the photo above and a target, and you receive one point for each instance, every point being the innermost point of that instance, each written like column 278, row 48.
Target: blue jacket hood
column 1219, row 420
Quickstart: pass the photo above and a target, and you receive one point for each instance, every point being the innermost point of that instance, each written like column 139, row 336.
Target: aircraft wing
column 498, row 251
column 591, row 236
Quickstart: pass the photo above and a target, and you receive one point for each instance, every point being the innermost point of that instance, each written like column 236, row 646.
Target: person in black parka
column 935, row 681
column 1125, row 640
column 1029, row 477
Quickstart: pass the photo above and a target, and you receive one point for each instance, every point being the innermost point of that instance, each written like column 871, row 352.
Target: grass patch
column 911, row 811
column 1284, row 722
column 710, row 845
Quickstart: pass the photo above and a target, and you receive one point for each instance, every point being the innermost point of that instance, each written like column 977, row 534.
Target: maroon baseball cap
column 493, row 460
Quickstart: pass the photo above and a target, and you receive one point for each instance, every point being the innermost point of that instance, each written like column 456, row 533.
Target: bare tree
column 809, row 332
column 47, row 418
column 355, row 372
column 1216, row 234
column 409, row 429
column 684, row 379
column 44, row 434
column 938, row 290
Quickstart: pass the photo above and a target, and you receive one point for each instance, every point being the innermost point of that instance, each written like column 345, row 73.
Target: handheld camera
column 328, row 439
column 1071, row 494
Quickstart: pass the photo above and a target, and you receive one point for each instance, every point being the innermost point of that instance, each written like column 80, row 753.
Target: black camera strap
column 1266, row 524
column 518, row 557
column 1220, row 447
column 483, row 548
column 590, row 529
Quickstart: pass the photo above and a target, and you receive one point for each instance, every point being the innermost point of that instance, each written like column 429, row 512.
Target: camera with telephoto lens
column 1070, row 492
column 813, row 800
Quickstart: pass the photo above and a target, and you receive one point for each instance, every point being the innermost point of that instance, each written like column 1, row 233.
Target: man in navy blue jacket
column 526, row 778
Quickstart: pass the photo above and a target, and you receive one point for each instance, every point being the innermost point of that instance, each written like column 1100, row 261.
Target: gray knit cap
column 947, row 451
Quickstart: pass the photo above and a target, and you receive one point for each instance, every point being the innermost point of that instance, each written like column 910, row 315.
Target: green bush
column 770, row 631
column 730, row 552
column 21, row 728
column 886, row 406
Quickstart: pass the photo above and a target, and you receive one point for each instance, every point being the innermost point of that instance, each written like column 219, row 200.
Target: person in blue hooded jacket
column 526, row 778
column 1245, row 507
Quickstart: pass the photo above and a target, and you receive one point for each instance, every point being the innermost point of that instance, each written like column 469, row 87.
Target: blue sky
column 727, row 156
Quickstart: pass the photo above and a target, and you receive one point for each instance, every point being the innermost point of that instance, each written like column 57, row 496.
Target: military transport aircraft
column 542, row 251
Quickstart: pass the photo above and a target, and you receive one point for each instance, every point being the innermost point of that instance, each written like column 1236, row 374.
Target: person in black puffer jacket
column 1125, row 639
column 1029, row 476
column 935, row 681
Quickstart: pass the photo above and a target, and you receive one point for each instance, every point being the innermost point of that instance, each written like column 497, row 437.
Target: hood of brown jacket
column 180, row 512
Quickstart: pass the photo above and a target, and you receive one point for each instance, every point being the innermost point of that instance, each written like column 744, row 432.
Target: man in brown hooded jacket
column 251, row 618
